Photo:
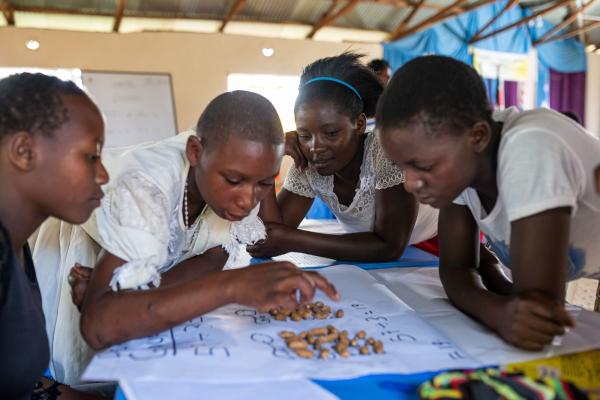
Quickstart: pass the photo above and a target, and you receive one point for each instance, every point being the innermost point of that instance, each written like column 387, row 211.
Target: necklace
column 186, row 218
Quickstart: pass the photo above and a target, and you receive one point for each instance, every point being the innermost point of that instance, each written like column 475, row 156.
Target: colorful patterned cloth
column 495, row 384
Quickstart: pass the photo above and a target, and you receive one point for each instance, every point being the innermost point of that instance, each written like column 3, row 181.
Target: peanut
column 318, row 331
column 286, row 334
column 304, row 353
column 297, row 344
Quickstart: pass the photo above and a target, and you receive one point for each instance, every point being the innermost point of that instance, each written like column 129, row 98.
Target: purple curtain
column 567, row 92
column 511, row 94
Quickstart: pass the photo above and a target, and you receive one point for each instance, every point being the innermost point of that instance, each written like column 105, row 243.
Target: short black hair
column 436, row 91
column 241, row 113
column 33, row 103
column 378, row 64
column 346, row 67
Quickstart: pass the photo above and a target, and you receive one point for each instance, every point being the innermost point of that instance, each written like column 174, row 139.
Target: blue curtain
column 451, row 38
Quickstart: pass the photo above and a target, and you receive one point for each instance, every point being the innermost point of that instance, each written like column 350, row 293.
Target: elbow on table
column 94, row 332
column 390, row 253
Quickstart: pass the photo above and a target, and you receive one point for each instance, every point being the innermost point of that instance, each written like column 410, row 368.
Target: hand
column 273, row 284
column 273, row 245
column 531, row 320
column 292, row 149
column 79, row 277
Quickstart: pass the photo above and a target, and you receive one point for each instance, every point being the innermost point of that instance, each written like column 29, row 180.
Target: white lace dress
column 377, row 172
column 140, row 221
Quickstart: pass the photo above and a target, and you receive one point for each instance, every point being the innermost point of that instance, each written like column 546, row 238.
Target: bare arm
column 492, row 275
column 531, row 316
column 395, row 216
column 112, row 317
column 286, row 208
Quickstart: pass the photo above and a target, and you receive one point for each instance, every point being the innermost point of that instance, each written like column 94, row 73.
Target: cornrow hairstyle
column 436, row 91
column 33, row 103
column 347, row 68
column 241, row 113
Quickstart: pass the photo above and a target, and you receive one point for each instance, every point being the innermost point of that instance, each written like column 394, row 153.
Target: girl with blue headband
column 337, row 160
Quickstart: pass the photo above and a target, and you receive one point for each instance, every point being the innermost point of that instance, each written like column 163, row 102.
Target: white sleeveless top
column 377, row 172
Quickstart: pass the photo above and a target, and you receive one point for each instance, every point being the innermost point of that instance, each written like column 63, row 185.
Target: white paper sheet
column 301, row 389
column 303, row 260
column 421, row 289
column 237, row 344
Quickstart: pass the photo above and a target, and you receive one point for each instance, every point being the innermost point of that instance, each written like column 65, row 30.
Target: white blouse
column 377, row 172
column 140, row 221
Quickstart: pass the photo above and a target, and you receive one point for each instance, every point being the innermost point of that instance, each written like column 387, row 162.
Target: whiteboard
column 137, row 107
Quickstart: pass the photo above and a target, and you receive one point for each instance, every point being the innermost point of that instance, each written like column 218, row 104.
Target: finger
column 529, row 345
column 533, row 335
column 285, row 299
column 285, row 265
column 563, row 317
column 537, row 308
column 299, row 160
column 321, row 283
column 548, row 327
column 81, row 273
column 553, row 312
column 298, row 281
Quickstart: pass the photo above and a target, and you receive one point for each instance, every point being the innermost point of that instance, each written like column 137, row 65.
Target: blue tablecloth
column 380, row 387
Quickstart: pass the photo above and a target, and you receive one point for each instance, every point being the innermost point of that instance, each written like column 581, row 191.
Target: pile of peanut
column 320, row 342
column 317, row 310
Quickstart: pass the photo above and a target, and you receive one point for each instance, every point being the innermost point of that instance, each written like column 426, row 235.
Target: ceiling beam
column 447, row 12
column 406, row 21
column 564, row 23
column 440, row 15
column 330, row 16
column 522, row 21
column 407, row 3
column 119, row 15
column 572, row 32
column 8, row 11
column 507, row 7
column 235, row 8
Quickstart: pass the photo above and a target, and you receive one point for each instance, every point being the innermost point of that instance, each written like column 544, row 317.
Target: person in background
column 382, row 69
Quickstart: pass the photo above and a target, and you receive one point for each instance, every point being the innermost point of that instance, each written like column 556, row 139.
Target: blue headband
column 341, row 82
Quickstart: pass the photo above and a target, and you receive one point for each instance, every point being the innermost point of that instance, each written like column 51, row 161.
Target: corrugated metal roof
column 376, row 15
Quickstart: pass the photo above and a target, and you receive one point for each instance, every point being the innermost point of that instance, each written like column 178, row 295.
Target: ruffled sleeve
column 297, row 182
column 386, row 173
column 133, row 224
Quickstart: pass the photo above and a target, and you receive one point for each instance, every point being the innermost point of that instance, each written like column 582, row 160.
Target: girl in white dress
column 337, row 160
column 172, row 211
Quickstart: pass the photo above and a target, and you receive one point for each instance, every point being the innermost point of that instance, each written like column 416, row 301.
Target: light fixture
column 32, row 44
column 590, row 47
column 267, row 51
